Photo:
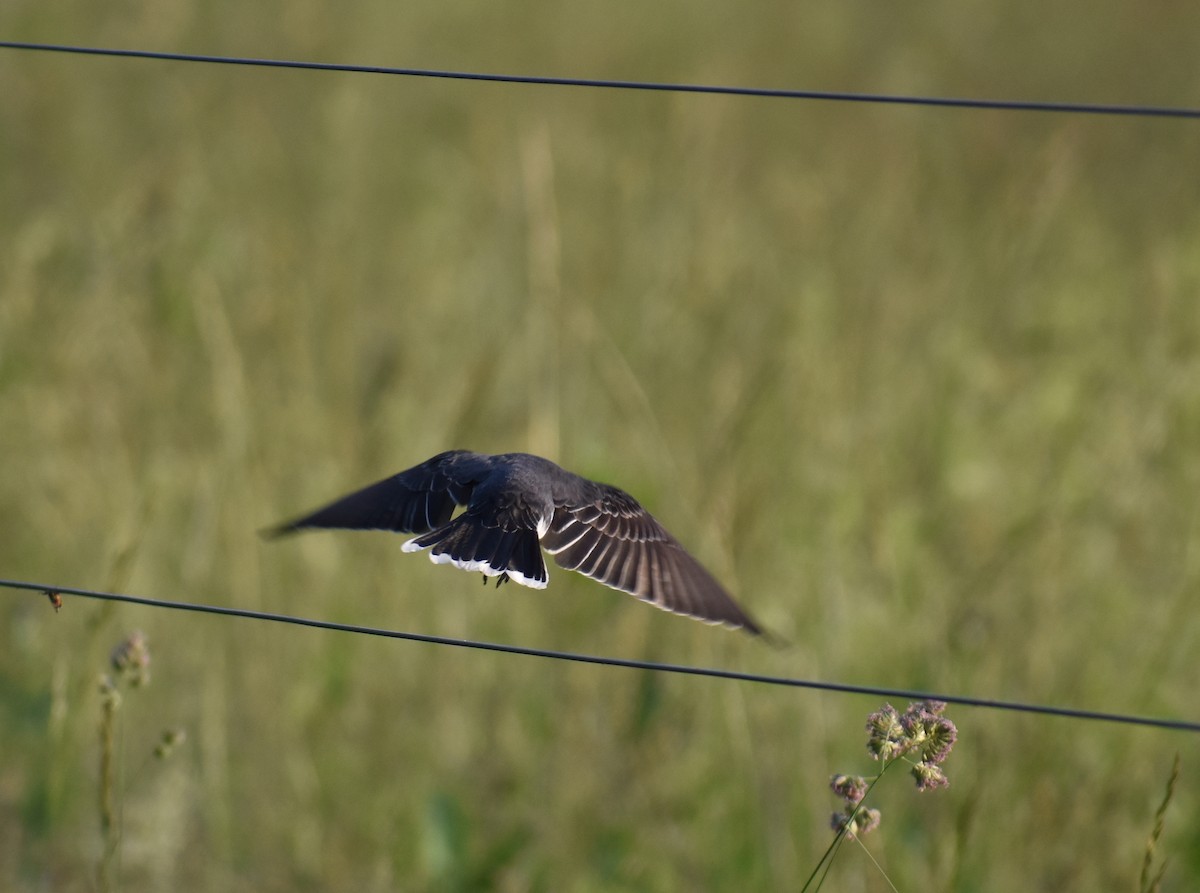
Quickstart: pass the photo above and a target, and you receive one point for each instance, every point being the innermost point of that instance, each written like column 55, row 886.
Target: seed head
column 886, row 737
column 851, row 788
column 855, row 824
column 929, row 776
column 171, row 739
column 131, row 658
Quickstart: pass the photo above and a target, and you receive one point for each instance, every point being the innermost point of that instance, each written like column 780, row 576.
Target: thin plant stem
column 109, row 830
column 826, row 859
column 875, row 862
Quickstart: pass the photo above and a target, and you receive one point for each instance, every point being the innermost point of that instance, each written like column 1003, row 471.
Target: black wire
column 1006, row 105
column 762, row 92
column 1016, row 706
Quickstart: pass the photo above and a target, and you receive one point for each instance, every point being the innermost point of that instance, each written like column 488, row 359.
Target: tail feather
column 471, row 545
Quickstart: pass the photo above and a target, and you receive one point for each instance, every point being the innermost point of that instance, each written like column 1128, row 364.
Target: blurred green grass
column 922, row 386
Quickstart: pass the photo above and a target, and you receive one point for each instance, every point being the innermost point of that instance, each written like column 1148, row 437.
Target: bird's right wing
column 414, row 501
column 614, row 540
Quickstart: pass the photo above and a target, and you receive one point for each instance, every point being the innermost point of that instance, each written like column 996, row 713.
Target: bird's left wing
column 414, row 501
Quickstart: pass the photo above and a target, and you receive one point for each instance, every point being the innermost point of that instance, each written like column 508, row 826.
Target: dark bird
column 515, row 505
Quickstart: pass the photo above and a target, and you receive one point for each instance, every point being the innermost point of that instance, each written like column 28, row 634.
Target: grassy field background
column 923, row 386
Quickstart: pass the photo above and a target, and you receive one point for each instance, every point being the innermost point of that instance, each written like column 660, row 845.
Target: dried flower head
column 171, row 739
column 929, row 776
column 851, row 788
column 940, row 736
column 886, row 737
column 928, row 732
column 921, row 729
column 131, row 659
column 855, row 823
column 936, row 708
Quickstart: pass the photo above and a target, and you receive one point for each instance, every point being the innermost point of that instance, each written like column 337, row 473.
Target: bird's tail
column 467, row 542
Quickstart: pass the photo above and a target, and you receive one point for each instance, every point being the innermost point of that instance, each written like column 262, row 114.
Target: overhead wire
column 1084, row 108
column 56, row 592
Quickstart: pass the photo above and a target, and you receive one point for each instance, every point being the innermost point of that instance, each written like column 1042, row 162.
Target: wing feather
column 608, row 536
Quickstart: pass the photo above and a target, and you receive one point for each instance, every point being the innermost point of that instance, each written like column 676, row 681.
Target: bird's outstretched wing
column 414, row 501
column 611, row 538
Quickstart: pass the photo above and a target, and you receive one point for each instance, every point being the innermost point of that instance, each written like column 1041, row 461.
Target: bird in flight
column 515, row 505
